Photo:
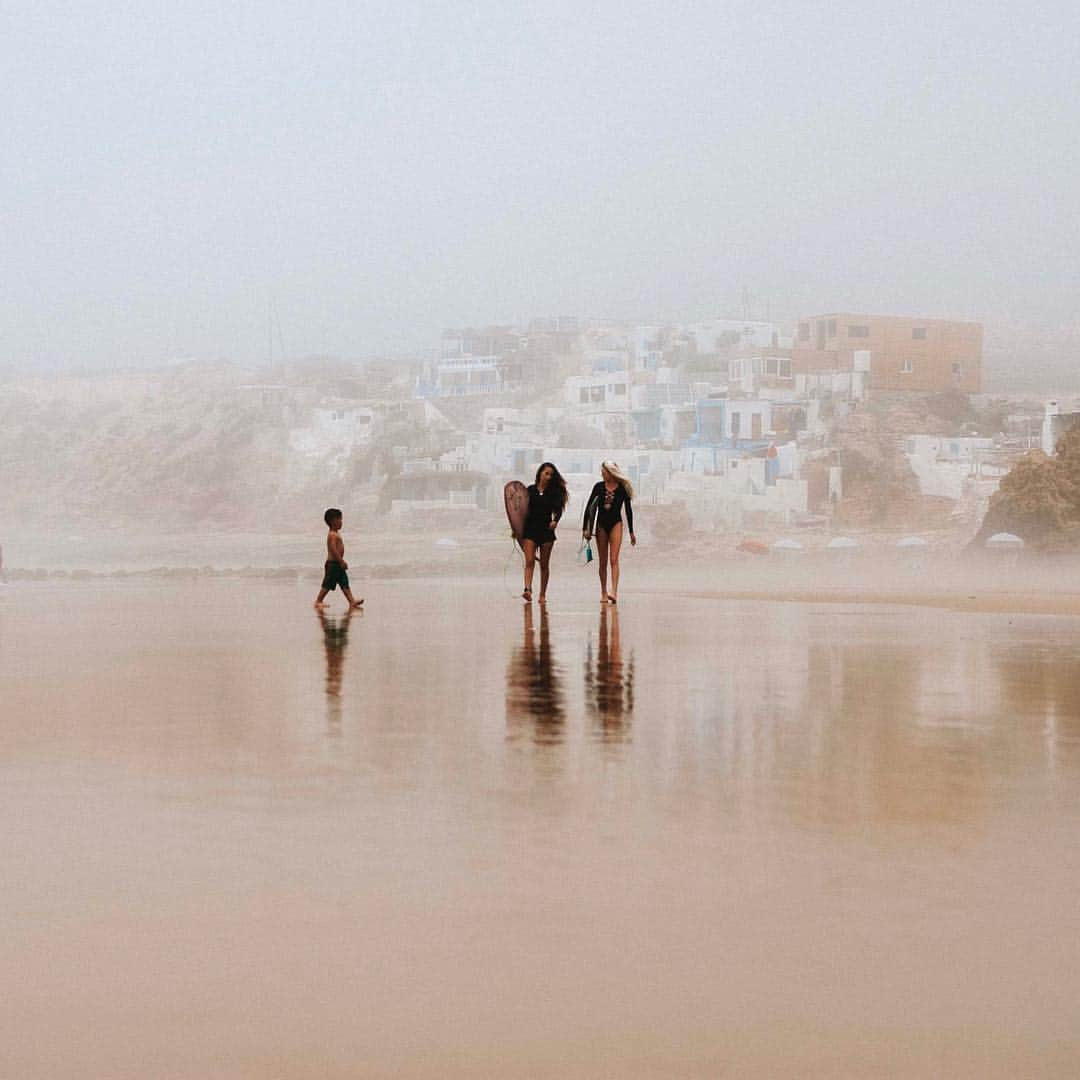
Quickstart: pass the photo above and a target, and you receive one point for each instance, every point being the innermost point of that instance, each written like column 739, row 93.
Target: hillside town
column 843, row 425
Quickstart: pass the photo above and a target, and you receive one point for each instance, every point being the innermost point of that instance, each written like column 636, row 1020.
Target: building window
column 919, row 333
column 832, row 328
column 804, row 331
column 620, row 389
column 858, row 331
column 583, row 395
column 957, row 368
column 907, row 367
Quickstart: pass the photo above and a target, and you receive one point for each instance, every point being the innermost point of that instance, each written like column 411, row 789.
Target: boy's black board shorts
column 335, row 575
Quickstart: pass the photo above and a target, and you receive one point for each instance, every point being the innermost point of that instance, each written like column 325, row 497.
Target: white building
column 944, row 466
column 1055, row 424
column 457, row 376
column 712, row 335
column 336, row 428
column 653, row 395
column 646, row 348
column 604, row 391
column 527, row 422
column 762, row 376
column 843, row 385
column 735, row 488
column 723, row 419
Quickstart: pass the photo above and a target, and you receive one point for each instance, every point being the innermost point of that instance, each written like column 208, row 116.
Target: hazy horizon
column 379, row 174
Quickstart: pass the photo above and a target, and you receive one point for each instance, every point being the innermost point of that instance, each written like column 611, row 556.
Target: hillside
column 177, row 449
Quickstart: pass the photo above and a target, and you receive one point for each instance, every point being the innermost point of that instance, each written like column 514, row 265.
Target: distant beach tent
column 911, row 542
column 787, row 545
column 1005, row 540
column 754, row 547
column 446, row 542
column 842, row 543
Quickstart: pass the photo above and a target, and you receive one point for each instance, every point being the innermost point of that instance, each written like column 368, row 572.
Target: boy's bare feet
column 319, row 606
column 357, row 603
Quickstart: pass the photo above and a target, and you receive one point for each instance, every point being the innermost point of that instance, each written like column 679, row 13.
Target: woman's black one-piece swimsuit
column 542, row 506
column 608, row 507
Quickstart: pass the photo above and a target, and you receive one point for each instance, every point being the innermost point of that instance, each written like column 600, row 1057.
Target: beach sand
column 699, row 835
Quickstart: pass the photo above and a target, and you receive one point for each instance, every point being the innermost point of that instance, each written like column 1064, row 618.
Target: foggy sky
column 383, row 170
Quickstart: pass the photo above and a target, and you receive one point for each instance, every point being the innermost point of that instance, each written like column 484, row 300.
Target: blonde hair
column 618, row 475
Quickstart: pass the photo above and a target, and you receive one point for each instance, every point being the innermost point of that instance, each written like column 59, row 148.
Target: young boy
column 336, row 565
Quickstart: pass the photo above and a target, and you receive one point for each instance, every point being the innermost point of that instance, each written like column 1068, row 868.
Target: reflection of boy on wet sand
column 335, row 567
column 335, row 638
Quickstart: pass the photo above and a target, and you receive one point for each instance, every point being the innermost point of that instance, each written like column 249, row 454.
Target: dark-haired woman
column 547, row 500
column 603, row 512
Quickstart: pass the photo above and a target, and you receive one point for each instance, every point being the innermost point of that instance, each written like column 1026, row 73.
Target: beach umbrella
column 787, row 545
column 842, row 542
column 911, row 542
column 1005, row 540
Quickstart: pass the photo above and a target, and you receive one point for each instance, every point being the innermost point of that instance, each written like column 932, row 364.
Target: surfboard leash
column 514, row 547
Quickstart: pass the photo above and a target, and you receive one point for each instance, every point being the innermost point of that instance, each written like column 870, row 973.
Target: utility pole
column 270, row 331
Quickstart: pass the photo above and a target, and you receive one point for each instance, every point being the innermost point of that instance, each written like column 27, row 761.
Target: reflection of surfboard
column 516, row 497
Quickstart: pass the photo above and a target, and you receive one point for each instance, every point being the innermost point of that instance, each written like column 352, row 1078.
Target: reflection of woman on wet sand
column 547, row 500
column 603, row 514
column 533, row 688
column 609, row 686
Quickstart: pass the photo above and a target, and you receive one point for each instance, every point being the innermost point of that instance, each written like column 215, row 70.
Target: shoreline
column 970, row 598
column 984, row 603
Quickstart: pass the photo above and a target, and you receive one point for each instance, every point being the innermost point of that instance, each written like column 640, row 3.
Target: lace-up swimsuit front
column 608, row 507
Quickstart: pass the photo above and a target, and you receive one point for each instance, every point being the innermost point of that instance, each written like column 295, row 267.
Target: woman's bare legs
column 614, row 543
column 545, row 559
column 529, row 548
column 602, row 558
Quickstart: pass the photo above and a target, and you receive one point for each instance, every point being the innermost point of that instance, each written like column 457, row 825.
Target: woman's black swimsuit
column 606, row 508
column 543, row 506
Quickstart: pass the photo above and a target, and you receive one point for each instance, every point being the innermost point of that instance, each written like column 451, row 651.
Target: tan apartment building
column 898, row 353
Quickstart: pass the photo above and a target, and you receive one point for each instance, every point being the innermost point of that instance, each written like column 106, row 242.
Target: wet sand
column 452, row 836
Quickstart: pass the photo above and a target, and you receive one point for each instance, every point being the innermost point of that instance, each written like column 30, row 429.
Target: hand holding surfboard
column 516, row 499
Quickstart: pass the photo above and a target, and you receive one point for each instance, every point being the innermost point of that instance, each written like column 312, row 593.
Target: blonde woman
column 603, row 515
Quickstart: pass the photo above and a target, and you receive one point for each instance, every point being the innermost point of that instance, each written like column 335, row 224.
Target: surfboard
column 516, row 498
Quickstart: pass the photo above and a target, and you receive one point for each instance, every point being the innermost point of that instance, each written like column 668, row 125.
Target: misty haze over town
column 337, row 744
column 235, row 242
